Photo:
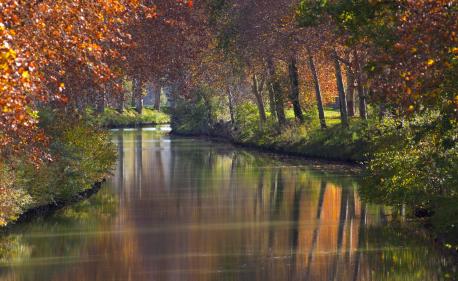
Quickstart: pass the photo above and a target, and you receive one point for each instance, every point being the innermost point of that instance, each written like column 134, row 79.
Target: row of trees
column 400, row 57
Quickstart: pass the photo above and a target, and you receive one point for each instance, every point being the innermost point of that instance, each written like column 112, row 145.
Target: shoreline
column 134, row 126
column 50, row 208
column 416, row 226
column 271, row 149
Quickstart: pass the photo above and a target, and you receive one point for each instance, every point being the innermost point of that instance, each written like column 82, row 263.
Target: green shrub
column 82, row 155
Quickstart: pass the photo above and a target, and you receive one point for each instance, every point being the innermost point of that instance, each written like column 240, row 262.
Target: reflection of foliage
column 404, row 256
column 101, row 206
column 92, row 213
column 13, row 248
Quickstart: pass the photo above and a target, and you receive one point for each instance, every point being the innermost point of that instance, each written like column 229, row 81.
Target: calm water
column 188, row 209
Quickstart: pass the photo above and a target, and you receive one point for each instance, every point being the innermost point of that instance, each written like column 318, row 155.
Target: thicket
column 81, row 154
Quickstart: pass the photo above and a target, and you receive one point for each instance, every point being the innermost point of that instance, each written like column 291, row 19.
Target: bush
column 416, row 165
column 82, row 155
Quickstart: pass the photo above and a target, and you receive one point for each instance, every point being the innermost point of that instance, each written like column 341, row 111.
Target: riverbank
column 396, row 169
column 50, row 208
column 330, row 144
column 129, row 118
column 79, row 155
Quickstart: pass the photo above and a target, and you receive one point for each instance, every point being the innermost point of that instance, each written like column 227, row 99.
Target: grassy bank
column 409, row 163
column 80, row 156
column 308, row 140
column 111, row 118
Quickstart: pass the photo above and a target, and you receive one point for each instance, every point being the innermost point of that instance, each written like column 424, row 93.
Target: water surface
column 189, row 209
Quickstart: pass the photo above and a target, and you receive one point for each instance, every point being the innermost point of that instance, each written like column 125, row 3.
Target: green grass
column 129, row 118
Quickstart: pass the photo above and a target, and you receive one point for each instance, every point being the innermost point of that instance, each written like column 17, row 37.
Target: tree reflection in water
column 187, row 209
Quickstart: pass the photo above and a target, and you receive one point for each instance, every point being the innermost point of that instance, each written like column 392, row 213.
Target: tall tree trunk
column 382, row 111
column 137, row 95
column 316, row 83
column 350, row 91
column 257, row 90
column 120, row 101
column 340, row 89
column 230, row 97
column 273, row 111
column 294, row 95
column 100, row 101
column 157, row 95
column 360, row 87
column 276, row 88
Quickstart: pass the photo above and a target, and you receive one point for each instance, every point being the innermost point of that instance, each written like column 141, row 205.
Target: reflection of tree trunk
column 120, row 173
column 259, row 191
column 295, row 227
column 361, row 235
column 273, row 188
column 257, row 91
column 341, row 90
column 279, row 192
column 276, row 89
column 340, row 231
column 294, row 95
column 317, row 227
column 138, row 160
column 316, row 83
column 295, row 217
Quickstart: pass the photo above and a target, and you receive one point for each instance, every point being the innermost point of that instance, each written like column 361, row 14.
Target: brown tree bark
column 341, row 90
column 360, row 87
column 350, row 91
column 277, row 92
column 257, row 91
column 137, row 94
column 157, row 95
column 294, row 95
column 316, row 83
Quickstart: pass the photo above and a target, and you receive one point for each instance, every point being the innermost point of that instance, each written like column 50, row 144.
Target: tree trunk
column 276, row 89
column 360, row 88
column 120, row 101
column 350, row 91
column 257, row 90
column 341, row 91
column 100, row 101
column 137, row 95
column 157, row 95
column 231, row 105
column 294, row 95
column 316, row 83
column 273, row 112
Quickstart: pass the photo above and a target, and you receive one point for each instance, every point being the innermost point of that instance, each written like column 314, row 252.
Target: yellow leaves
column 430, row 62
column 8, row 54
column 25, row 75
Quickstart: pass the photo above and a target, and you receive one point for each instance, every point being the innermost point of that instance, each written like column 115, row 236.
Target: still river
column 188, row 209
